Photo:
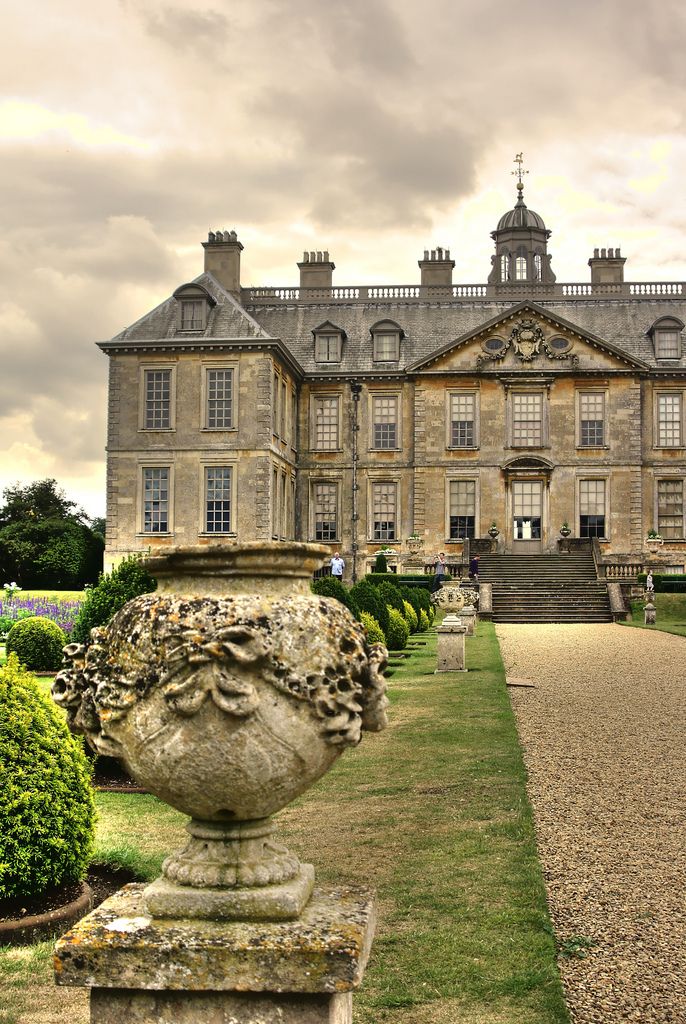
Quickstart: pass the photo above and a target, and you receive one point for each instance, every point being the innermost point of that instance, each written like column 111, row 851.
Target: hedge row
column 665, row 583
column 377, row 601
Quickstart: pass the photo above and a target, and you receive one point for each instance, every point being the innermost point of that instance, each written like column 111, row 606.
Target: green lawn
column 670, row 614
column 433, row 814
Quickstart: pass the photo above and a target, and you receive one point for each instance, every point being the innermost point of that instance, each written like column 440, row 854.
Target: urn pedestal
column 226, row 693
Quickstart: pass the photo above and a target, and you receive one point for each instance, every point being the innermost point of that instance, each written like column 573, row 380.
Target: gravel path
column 603, row 734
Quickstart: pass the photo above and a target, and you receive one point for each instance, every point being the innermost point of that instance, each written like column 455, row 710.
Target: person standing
column 474, row 569
column 440, row 572
column 337, row 567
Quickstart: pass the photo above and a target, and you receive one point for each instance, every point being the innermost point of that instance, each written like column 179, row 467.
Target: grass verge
column 670, row 614
column 433, row 814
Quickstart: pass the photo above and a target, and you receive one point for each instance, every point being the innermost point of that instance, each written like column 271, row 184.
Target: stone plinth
column 144, row 970
column 451, row 646
column 468, row 616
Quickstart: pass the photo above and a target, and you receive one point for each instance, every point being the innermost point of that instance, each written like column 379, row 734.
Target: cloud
column 373, row 128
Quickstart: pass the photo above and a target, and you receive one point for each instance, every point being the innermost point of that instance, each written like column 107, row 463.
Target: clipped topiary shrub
column 390, row 595
column 411, row 617
column 368, row 600
column 37, row 642
column 327, row 586
column 423, row 621
column 47, row 813
column 111, row 592
column 380, row 563
column 398, row 631
column 375, row 634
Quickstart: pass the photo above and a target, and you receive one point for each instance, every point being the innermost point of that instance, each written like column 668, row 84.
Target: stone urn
column 227, row 693
column 450, row 598
column 493, row 532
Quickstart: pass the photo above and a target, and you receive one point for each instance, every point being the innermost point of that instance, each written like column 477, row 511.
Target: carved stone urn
column 450, row 597
column 227, row 693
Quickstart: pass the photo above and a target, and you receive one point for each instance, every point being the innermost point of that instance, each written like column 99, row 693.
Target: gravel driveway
column 603, row 734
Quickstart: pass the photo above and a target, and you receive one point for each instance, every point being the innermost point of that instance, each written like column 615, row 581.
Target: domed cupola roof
column 521, row 245
column 521, row 216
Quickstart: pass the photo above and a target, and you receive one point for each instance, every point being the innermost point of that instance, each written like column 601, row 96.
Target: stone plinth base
column 117, row 1006
column 283, row 902
column 468, row 616
column 144, row 970
column 451, row 646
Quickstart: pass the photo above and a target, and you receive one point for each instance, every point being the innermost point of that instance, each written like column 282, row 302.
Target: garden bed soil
column 32, row 920
column 110, row 777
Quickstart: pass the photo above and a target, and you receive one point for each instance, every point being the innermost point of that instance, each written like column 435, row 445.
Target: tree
column 44, row 539
column 43, row 499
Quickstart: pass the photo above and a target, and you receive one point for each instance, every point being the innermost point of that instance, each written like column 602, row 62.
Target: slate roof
column 428, row 326
column 227, row 319
column 432, row 326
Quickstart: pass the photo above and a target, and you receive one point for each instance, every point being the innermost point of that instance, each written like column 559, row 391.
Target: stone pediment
column 527, row 337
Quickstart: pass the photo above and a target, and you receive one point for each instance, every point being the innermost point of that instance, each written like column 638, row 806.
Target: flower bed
column 21, row 606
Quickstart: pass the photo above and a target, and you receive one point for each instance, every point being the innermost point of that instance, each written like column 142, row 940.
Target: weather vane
column 519, row 159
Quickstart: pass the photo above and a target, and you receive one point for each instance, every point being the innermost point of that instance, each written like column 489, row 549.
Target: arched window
column 520, row 264
column 505, row 267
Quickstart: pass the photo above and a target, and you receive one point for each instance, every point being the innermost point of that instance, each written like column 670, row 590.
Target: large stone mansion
column 404, row 416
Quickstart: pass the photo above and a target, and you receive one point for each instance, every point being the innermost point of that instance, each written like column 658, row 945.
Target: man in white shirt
column 337, row 567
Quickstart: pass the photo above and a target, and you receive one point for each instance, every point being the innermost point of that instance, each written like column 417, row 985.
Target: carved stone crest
column 527, row 338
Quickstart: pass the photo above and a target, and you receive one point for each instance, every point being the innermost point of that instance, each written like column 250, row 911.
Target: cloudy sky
column 371, row 128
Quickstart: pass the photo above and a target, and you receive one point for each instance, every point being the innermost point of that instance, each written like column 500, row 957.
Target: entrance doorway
column 527, row 516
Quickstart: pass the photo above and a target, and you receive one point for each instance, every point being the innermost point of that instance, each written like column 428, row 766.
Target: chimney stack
column 607, row 267
column 316, row 270
column 223, row 260
column 437, row 273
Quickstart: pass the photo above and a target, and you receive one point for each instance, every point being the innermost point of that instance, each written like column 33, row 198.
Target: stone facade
column 363, row 416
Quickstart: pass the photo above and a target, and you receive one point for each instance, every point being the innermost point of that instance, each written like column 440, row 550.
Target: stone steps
column 545, row 588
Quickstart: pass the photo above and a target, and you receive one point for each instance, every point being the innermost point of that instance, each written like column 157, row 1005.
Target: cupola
column 521, row 245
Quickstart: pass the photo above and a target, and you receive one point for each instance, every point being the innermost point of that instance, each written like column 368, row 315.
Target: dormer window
column 386, row 336
column 192, row 315
column 193, row 305
column 328, row 343
column 666, row 334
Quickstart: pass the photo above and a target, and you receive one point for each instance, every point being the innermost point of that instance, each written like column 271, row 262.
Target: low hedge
column 401, row 579
column 665, row 583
